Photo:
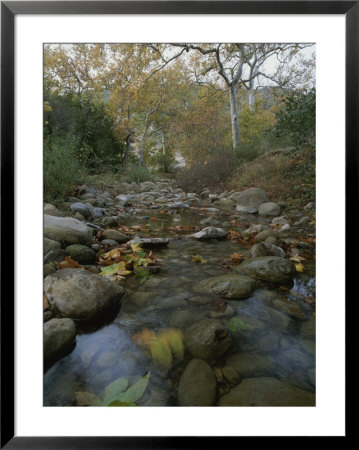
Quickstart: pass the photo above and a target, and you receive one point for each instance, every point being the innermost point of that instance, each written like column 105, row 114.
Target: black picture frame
column 9, row 9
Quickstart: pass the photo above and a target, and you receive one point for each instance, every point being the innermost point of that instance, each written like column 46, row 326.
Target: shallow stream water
column 168, row 300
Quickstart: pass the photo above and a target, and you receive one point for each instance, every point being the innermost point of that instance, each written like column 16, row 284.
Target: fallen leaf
column 236, row 258
column 118, row 403
column 114, row 388
column 144, row 337
column 299, row 267
column 161, row 352
column 236, row 324
column 46, row 303
column 68, row 263
column 115, row 269
column 199, row 258
column 136, row 247
column 297, row 258
column 135, row 391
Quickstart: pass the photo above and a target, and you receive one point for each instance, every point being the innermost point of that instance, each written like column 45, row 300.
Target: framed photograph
column 175, row 179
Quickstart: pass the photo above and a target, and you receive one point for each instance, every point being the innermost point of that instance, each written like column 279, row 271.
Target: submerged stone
column 228, row 286
column 267, row 391
column 269, row 268
column 197, row 386
column 207, row 339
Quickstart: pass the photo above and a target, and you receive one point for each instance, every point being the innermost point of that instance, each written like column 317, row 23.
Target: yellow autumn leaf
column 299, row 267
column 161, row 351
column 144, row 337
column 136, row 247
column 174, row 338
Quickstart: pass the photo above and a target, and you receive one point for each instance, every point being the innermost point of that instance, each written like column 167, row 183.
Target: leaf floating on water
column 163, row 346
column 299, row 267
column 161, row 351
column 236, row 324
column 116, row 395
column 68, row 263
column 199, row 258
column 144, row 337
column 87, row 399
column 174, row 339
column 114, row 389
column 142, row 274
column 135, row 391
column 118, row 403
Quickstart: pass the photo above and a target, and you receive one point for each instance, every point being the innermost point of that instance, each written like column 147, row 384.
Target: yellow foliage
column 299, row 267
column 163, row 346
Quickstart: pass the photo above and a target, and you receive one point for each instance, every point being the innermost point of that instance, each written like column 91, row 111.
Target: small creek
column 165, row 300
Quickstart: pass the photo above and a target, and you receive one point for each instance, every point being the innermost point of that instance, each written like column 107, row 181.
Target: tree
column 238, row 65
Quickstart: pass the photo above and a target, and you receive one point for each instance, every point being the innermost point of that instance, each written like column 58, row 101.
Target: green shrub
column 208, row 173
column 62, row 168
column 163, row 163
column 135, row 172
column 258, row 145
column 296, row 118
column 98, row 147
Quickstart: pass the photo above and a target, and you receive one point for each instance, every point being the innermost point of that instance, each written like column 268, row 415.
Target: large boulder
column 207, row 339
column 197, row 386
column 81, row 295
column 250, row 197
column 269, row 268
column 59, row 338
column 67, row 230
column 228, row 286
column 224, row 203
column 269, row 209
column 266, row 391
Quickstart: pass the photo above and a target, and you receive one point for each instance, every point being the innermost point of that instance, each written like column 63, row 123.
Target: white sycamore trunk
column 234, row 116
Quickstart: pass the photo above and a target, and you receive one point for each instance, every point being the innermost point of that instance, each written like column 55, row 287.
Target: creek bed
column 165, row 300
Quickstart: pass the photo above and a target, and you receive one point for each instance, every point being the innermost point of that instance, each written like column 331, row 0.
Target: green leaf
column 142, row 273
column 118, row 403
column 110, row 270
column 199, row 258
column 236, row 324
column 114, row 389
column 135, row 391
